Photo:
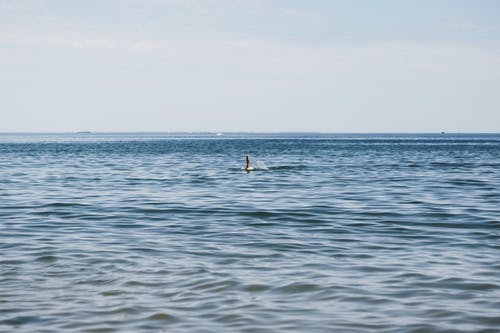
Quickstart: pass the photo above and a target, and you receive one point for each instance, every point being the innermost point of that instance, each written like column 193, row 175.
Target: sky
column 250, row 65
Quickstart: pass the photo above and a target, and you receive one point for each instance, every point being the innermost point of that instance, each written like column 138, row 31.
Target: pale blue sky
column 250, row 65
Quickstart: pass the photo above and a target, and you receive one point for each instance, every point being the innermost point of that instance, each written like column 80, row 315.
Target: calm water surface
column 165, row 232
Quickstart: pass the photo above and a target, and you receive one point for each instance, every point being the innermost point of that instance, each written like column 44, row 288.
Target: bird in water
column 249, row 167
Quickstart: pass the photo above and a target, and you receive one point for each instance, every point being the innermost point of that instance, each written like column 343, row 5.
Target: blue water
column 165, row 233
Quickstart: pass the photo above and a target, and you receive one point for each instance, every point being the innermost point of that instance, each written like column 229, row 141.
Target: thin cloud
column 471, row 26
column 304, row 14
column 261, row 55
column 54, row 40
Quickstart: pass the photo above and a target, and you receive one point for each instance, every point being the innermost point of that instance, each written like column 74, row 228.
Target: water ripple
column 124, row 233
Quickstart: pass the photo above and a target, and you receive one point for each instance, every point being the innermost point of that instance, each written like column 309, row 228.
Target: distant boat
column 83, row 132
column 219, row 134
column 442, row 132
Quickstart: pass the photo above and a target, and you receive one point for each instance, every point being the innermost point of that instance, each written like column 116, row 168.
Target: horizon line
column 241, row 132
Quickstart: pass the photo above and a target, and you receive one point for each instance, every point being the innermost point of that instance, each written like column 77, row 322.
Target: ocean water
column 160, row 232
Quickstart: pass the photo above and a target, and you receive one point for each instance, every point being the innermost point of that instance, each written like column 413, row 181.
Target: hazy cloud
column 230, row 63
column 471, row 26
column 305, row 14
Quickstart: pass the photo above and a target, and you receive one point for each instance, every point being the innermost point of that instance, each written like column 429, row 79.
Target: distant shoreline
column 244, row 132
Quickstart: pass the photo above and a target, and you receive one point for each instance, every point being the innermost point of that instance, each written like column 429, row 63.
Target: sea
column 166, row 232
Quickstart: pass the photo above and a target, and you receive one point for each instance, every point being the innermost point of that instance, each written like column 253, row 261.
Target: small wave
column 254, row 169
column 63, row 204
column 452, row 164
column 289, row 167
column 47, row 258
column 259, row 165
column 23, row 320
column 254, row 288
column 465, row 182
column 161, row 316
column 297, row 287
